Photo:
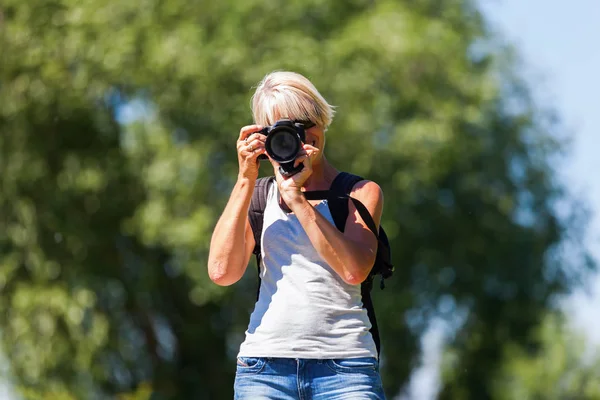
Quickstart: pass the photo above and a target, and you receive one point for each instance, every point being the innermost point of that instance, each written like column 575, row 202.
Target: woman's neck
column 322, row 176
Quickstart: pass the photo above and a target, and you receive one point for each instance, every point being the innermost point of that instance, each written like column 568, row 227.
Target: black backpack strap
column 342, row 186
column 258, row 203
column 365, row 291
column 338, row 196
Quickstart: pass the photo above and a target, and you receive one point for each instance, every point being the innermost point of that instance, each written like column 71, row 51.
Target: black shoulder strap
column 256, row 217
column 257, row 209
column 338, row 196
column 342, row 186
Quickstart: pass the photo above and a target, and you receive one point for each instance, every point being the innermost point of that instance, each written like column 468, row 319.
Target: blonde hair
column 283, row 94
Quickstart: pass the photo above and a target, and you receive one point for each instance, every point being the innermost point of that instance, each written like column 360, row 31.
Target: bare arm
column 352, row 253
column 232, row 240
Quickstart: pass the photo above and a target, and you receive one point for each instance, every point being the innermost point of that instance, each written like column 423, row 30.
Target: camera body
column 284, row 141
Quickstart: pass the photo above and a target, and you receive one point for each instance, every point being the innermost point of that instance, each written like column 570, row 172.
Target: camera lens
column 283, row 145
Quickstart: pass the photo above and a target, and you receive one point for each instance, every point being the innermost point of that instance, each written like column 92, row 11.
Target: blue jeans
column 301, row 379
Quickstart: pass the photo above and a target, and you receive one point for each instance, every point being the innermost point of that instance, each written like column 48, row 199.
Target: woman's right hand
column 250, row 145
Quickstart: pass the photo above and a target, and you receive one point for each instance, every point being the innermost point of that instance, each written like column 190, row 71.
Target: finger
column 248, row 130
column 273, row 163
column 301, row 153
column 310, row 150
column 301, row 157
column 256, row 143
column 257, row 136
column 243, row 147
column 300, row 160
column 256, row 139
column 254, row 149
column 250, row 145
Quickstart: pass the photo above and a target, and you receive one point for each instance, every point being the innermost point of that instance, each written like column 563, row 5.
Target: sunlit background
column 117, row 131
column 557, row 45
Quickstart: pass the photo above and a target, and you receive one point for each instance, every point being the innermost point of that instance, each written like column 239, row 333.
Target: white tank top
column 305, row 309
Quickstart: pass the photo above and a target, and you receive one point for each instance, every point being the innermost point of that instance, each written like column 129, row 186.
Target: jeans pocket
column 354, row 365
column 250, row 364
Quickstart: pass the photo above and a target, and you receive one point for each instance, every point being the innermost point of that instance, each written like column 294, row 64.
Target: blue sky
column 558, row 41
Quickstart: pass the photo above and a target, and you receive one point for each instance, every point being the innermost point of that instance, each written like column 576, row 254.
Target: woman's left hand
column 290, row 188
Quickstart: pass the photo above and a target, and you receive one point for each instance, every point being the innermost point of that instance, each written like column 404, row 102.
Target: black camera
column 284, row 141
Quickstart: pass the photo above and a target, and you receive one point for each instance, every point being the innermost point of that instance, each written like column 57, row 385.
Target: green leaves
column 566, row 368
column 117, row 154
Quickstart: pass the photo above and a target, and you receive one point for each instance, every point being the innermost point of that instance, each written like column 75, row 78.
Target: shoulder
column 367, row 190
column 370, row 195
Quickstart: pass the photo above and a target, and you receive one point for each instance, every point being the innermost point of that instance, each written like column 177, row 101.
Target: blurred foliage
column 118, row 123
column 567, row 368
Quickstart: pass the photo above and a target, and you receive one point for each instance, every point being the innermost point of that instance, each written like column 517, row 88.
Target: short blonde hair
column 283, row 94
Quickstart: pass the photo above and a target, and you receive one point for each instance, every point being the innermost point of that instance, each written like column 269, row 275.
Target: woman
column 308, row 336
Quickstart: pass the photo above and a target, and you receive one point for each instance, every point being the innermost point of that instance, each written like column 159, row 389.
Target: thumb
column 310, row 149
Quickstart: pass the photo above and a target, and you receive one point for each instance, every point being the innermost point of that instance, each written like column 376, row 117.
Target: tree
column 118, row 125
column 567, row 367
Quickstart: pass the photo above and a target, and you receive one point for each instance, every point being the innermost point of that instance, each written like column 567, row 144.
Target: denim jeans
column 301, row 379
